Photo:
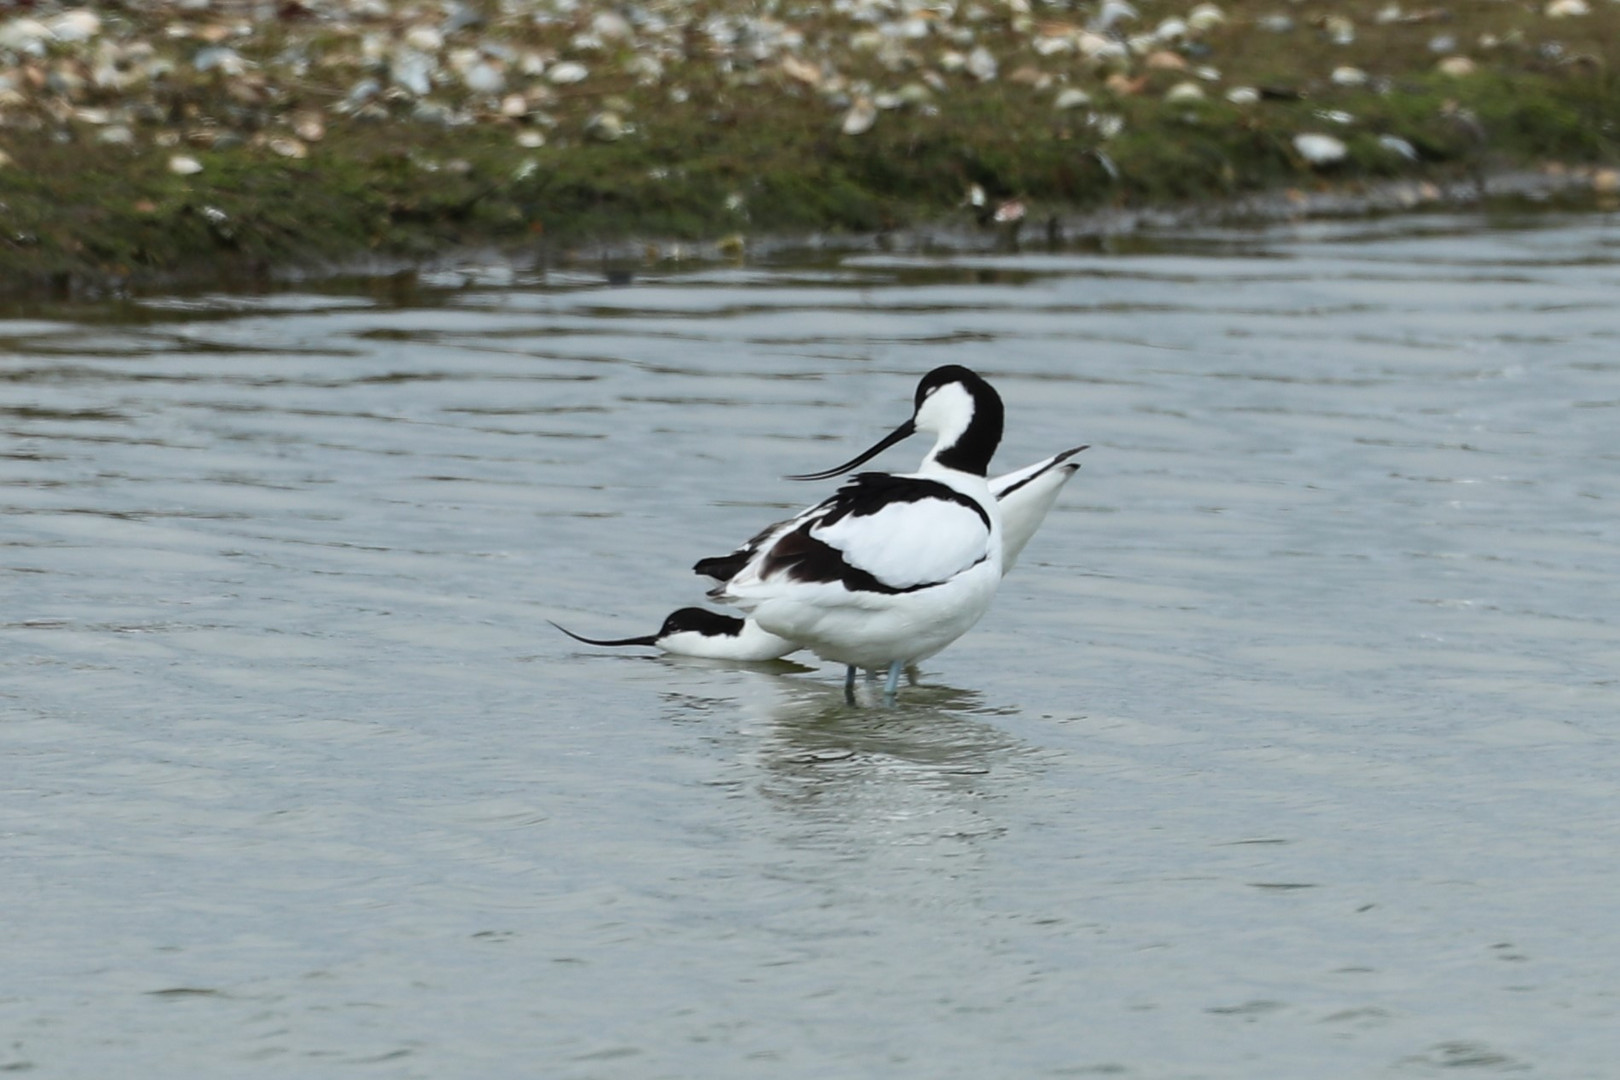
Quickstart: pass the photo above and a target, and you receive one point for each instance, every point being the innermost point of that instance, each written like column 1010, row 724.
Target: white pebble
column 411, row 70
column 610, row 26
column 424, row 38
column 1397, row 145
column 227, row 61
column 860, row 118
column 24, row 35
column 1205, row 17
column 1098, row 47
column 1171, row 29
column 912, row 29
column 1243, row 95
column 181, row 165
column 567, row 72
column 647, row 70
column 605, row 127
column 1320, row 149
column 1111, row 12
column 1107, row 125
column 1349, row 76
column 77, row 25
column 484, row 78
column 981, row 64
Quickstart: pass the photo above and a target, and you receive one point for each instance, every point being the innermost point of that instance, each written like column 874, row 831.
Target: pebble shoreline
column 543, row 110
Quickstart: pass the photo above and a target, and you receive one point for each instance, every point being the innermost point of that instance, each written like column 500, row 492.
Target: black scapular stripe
column 869, row 493
column 802, row 557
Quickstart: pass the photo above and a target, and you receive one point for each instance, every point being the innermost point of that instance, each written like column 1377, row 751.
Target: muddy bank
column 172, row 144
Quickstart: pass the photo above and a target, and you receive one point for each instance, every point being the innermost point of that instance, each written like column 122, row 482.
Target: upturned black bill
column 650, row 639
column 904, row 431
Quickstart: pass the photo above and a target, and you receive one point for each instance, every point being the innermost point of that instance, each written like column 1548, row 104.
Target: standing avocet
column 1024, row 495
column 892, row 568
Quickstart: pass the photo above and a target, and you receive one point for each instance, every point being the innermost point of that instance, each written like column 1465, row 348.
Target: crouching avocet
column 1024, row 496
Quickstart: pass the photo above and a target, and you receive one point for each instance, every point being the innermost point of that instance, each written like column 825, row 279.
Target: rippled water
column 1288, row 751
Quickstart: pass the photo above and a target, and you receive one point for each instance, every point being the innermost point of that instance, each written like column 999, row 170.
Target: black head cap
column 949, row 373
column 698, row 620
column 972, row 452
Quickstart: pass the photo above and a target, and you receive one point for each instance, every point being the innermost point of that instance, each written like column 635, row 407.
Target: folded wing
column 879, row 534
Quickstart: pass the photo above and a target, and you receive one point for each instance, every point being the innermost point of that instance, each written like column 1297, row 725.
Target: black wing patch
column 726, row 567
column 802, row 557
column 723, row 567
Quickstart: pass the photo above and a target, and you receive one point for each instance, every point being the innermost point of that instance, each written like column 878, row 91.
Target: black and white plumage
column 892, row 568
column 1024, row 495
column 695, row 631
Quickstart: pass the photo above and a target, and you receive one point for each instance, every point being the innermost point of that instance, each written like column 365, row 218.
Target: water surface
column 1288, row 750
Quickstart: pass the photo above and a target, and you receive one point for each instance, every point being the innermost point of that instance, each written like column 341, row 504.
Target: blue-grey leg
column 894, row 681
column 849, row 685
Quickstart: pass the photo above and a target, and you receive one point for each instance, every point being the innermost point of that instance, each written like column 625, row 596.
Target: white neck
column 947, row 413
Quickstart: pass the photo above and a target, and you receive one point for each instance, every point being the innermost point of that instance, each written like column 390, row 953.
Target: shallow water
column 1288, row 750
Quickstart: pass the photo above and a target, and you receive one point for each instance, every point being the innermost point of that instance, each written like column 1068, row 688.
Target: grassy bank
column 301, row 148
